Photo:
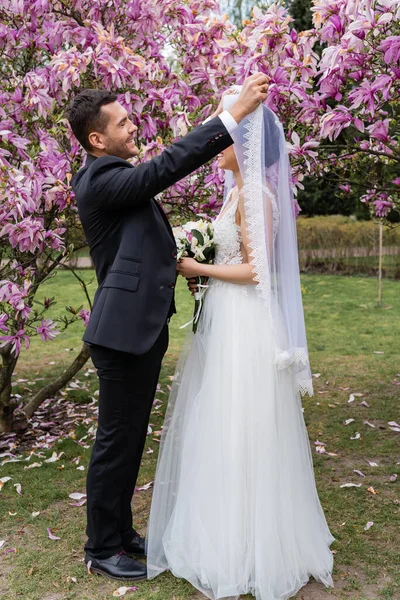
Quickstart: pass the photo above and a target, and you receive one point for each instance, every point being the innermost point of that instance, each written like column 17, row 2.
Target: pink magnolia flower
column 334, row 121
column 382, row 207
column 27, row 234
column 85, row 316
column 15, row 341
column 304, row 150
column 47, row 330
column 391, row 49
column 3, row 320
column 379, row 130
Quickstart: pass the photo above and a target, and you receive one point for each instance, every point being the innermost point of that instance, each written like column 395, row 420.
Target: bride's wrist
column 203, row 270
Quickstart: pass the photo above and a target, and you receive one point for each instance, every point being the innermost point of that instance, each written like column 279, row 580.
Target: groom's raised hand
column 254, row 91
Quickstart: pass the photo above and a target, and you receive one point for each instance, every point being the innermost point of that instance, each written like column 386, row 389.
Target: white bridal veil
column 261, row 152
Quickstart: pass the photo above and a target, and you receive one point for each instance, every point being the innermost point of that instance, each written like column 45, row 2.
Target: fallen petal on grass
column 34, row 466
column 359, row 473
column 368, row 525
column 123, row 590
column 77, row 496
column 372, row 490
column 348, row 421
column 80, row 503
column 18, row 488
column 51, row 536
column 146, row 486
column 372, row 464
column 346, row 485
column 4, row 480
column 35, row 514
column 2, row 543
column 393, row 477
column 356, row 437
column 54, row 457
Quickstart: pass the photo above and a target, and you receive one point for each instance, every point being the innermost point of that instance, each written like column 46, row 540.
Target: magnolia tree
column 335, row 88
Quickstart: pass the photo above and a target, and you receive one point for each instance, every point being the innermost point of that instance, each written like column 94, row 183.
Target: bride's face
column 227, row 160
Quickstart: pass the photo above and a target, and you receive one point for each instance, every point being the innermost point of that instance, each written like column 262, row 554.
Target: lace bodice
column 227, row 234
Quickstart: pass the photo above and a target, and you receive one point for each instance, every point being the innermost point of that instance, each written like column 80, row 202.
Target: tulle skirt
column 235, row 508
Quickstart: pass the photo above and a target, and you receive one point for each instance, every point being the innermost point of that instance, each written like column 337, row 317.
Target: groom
column 134, row 253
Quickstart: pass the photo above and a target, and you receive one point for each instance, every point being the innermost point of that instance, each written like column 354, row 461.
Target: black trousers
column 127, row 387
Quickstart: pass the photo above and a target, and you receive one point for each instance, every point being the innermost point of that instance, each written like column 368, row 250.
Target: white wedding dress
column 235, row 508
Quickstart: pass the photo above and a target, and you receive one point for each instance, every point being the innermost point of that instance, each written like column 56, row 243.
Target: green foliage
column 319, row 197
column 300, row 10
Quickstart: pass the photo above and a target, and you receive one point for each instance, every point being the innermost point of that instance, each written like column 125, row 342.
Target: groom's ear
column 96, row 140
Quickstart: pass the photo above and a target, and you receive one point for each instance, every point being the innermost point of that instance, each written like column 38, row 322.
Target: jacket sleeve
column 118, row 186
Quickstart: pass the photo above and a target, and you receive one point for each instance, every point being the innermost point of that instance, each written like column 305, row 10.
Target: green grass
column 345, row 330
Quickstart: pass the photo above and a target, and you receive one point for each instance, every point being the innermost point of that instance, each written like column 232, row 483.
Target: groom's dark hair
column 85, row 115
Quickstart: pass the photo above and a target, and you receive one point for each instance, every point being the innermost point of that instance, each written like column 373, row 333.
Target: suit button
column 171, row 285
column 174, row 255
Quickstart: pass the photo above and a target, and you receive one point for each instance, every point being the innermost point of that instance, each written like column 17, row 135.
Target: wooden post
column 380, row 262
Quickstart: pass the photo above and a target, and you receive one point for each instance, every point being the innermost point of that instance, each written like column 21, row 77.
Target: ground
column 354, row 350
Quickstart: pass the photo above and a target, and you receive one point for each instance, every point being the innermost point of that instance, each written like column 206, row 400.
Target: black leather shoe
column 136, row 546
column 120, row 567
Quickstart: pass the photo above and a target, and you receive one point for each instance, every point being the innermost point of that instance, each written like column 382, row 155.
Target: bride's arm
column 241, row 274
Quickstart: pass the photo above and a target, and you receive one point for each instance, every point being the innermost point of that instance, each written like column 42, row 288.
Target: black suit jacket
column 130, row 239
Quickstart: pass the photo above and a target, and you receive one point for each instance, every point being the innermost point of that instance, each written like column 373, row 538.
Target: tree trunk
column 6, row 404
column 55, row 386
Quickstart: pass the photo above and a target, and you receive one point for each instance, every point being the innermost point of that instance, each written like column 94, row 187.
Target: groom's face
column 119, row 135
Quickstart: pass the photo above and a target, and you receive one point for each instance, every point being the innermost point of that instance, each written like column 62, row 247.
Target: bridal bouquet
column 196, row 240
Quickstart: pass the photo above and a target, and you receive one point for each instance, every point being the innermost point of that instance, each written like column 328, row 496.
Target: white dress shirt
column 227, row 119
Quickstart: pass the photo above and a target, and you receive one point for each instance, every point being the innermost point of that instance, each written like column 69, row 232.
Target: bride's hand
column 188, row 267
column 221, row 103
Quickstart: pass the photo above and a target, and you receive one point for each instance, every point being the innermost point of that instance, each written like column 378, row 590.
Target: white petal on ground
column 356, row 437
column 4, row 480
column 348, row 421
column 18, row 488
column 2, row 543
column 34, row 466
column 122, row 591
column 372, row 464
column 368, row 525
column 346, row 485
column 393, row 477
column 146, row 486
column 359, row 473
column 77, row 496
column 54, row 457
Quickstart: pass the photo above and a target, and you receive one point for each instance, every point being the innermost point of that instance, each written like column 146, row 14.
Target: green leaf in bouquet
column 199, row 237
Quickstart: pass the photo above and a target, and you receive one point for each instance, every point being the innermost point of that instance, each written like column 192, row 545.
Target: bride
column 235, row 509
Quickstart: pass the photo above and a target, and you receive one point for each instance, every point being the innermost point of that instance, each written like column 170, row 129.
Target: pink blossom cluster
column 335, row 88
